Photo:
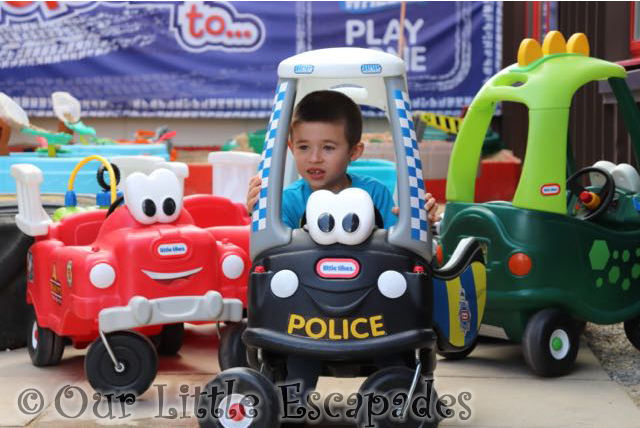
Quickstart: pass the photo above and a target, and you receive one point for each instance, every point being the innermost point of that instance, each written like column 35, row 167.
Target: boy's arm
column 253, row 192
column 431, row 207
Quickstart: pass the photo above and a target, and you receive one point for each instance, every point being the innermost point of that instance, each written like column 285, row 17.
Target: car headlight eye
column 232, row 266
column 326, row 222
column 350, row 222
column 284, row 283
column 392, row 284
column 102, row 275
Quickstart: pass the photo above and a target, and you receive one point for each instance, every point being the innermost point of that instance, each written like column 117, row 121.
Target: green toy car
column 562, row 252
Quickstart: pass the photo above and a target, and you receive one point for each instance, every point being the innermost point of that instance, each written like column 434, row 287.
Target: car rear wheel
column 170, row 339
column 232, row 352
column 137, row 358
column 253, row 401
column 459, row 355
column 44, row 345
column 424, row 410
column 550, row 343
column 632, row 330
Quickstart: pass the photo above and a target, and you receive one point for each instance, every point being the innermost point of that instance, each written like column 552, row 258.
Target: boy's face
column 322, row 154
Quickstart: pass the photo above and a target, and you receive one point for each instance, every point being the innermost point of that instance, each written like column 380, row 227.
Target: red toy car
column 116, row 277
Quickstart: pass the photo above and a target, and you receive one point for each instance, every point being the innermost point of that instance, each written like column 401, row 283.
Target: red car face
column 151, row 248
column 161, row 252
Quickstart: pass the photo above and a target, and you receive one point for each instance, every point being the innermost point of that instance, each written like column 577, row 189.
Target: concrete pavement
column 495, row 385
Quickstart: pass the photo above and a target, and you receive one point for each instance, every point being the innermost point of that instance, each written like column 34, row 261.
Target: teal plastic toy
column 54, row 140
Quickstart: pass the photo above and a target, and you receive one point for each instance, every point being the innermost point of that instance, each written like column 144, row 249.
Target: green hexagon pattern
column 599, row 254
column 625, row 256
column 614, row 274
column 635, row 271
column 626, row 283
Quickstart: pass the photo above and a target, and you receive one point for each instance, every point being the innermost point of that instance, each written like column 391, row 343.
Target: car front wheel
column 137, row 364
column 550, row 343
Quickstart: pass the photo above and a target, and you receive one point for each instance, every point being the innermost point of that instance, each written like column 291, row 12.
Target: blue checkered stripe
column 259, row 216
column 419, row 225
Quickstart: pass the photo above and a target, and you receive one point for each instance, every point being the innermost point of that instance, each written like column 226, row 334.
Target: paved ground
column 501, row 391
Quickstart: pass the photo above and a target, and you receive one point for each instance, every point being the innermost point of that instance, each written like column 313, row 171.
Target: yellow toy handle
column 107, row 165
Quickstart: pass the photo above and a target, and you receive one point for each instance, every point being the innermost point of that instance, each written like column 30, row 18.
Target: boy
column 324, row 138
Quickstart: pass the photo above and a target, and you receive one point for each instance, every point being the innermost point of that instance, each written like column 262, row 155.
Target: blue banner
column 219, row 59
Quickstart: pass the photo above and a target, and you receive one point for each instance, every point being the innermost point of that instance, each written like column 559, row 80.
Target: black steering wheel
column 100, row 176
column 105, row 186
column 578, row 208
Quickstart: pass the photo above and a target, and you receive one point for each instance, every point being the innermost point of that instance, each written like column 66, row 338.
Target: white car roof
column 341, row 63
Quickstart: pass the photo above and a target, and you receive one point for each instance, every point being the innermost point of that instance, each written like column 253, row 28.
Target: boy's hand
column 253, row 192
column 431, row 207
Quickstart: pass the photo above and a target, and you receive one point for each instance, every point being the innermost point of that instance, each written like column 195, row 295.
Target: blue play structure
column 56, row 170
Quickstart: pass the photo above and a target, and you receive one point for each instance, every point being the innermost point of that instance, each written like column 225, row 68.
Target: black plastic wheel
column 100, row 176
column 550, row 343
column 137, row 355
column 45, row 346
column 459, row 355
column 632, row 330
column 170, row 340
column 423, row 412
column 252, row 403
column 232, row 352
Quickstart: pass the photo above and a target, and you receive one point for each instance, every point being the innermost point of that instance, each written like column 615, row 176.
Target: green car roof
column 545, row 80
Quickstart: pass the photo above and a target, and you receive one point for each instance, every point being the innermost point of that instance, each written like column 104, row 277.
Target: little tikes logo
column 337, row 268
column 303, row 69
column 367, row 6
column 173, row 249
column 202, row 26
column 550, row 189
column 371, row 68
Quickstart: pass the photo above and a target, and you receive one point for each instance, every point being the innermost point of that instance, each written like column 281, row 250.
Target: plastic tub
column 232, row 172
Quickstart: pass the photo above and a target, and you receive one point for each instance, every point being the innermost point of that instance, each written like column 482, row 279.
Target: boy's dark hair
column 332, row 107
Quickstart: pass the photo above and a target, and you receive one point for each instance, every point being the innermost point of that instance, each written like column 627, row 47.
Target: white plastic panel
column 356, row 72
column 232, row 172
column 31, row 219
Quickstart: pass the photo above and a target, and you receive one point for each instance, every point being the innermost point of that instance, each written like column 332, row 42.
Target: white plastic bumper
column 141, row 311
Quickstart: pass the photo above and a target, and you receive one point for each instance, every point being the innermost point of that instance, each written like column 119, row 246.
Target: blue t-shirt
column 295, row 196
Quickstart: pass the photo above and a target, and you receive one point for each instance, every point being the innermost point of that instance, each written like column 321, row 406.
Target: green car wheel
column 550, row 343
